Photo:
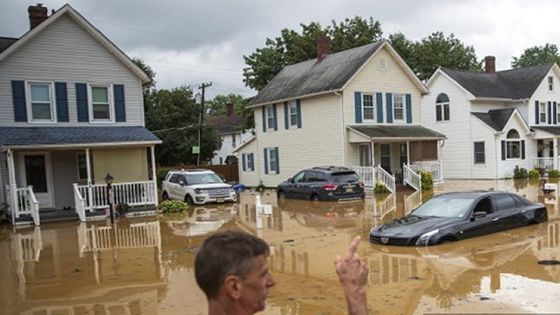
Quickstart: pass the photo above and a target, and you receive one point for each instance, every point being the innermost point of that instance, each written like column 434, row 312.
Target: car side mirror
column 182, row 183
column 479, row 214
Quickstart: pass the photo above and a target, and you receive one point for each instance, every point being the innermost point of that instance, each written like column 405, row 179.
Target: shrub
column 553, row 173
column 122, row 208
column 519, row 172
column 534, row 173
column 380, row 188
column 173, row 206
column 426, row 180
column 160, row 174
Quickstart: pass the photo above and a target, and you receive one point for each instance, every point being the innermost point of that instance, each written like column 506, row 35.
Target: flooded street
column 145, row 266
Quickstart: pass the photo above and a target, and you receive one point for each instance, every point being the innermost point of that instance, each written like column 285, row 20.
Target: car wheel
column 165, row 196
column 281, row 195
column 189, row 200
column 315, row 198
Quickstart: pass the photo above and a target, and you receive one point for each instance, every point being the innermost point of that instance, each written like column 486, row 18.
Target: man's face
column 255, row 286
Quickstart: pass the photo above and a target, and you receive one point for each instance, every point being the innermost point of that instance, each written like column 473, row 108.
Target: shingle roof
column 227, row 123
column 6, row 42
column 552, row 130
column 496, row 118
column 512, row 84
column 23, row 136
column 310, row 77
column 397, row 131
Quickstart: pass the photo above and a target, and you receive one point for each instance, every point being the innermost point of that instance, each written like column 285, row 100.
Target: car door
column 172, row 184
column 508, row 210
column 486, row 224
column 292, row 188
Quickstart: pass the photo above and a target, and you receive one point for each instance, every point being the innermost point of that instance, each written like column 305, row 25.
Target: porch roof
column 397, row 132
column 551, row 130
column 36, row 137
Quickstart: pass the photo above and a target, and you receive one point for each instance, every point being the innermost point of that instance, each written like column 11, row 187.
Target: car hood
column 412, row 226
column 211, row 186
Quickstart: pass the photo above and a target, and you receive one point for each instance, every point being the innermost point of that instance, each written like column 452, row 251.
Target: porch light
column 109, row 179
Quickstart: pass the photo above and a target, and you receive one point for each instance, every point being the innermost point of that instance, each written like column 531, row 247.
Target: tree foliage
column 537, row 55
column 217, row 107
column 292, row 47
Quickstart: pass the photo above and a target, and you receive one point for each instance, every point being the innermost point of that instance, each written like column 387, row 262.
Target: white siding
column 227, row 147
column 64, row 52
column 249, row 178
column 542, row 94
column 505, row 168
column 479, row 131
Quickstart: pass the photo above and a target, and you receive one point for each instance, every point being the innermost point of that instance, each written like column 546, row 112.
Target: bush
column 427, row 180
column 122, row 208
column 534, row 173
column 380, row 188
column 520, row 172
column 553, row 173
column 160, row 174
column 173, row 206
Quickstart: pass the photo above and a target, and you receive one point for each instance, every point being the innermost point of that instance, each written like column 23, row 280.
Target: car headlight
column 199, row 191
column 232, row 191
column 424, row 239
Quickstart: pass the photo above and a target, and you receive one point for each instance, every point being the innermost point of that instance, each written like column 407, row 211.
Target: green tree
column 292, row 47
column 217, row 106
column 537, row 55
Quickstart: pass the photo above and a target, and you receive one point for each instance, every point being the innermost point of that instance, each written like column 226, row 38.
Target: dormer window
column 41, row 105
column 551, row 83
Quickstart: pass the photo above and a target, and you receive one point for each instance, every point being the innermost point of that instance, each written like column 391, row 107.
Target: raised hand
column 352, row 274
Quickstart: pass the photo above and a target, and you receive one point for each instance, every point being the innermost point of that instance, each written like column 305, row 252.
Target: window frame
column 364, row 107
column 110, row 104
column 550, row 83
column 558, row 113
column 269, row 114
column 363, row 159
column 442, row 108
column 233, row 142
column 402, row 108
column 475, row 153
column 543, row 112
column 292, row 114
column 249, row 162
column 510, row 142
column 271, row 152
column 29, row 102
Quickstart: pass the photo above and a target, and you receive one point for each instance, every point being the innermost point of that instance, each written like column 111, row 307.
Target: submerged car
column 196, row 186
column 455, row 216
column 323, row 183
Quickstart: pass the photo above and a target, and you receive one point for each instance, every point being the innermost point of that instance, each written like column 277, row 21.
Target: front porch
column 546, row 155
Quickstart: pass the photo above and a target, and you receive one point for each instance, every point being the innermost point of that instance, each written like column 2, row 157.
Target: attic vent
column 383, row 64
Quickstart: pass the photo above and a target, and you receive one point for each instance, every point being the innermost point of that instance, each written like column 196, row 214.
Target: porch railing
column 433, row 167
column 80, row 203
column 137, row 235
column 131, row 193
column 411, row 177
column 546, row 163
column 26, row 204
column 366, row 174
column 385, row 178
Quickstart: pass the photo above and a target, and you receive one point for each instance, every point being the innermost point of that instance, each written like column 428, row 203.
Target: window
column 365, row 155
column 293, row 113
column 558, row 112
column 368, row 108
column 542, row 112
column 551, row 83
column 272, row 160
column 504, row 202
column 398, row 106
column 249, row 162
column 298, row 177
column 513, row 145
column 233, row 144
column 270, row 122
column 312, row 176
column 100, row 103
column 479, row 153
column 442, row 107
column 41, row 105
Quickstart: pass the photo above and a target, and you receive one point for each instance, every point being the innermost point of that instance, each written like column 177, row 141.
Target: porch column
column 154, row 178
column 555, row 154
column 407, row 153
column 13, row 186
column 90, row 189
column 372, row 153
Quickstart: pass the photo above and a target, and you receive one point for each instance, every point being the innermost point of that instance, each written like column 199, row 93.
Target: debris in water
column 549, row 262
column 289, row 241
column 484, row 298
column 414, row 278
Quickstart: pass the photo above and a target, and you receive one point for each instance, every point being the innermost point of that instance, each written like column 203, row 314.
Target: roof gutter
column 80, row 145
column 294, row 97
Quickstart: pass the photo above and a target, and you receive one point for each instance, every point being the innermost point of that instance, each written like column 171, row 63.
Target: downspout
column 342, row 123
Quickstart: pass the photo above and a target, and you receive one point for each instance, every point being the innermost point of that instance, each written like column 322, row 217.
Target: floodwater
column 145, row 266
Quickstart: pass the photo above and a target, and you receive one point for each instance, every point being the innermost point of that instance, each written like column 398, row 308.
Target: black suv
column 332, row 183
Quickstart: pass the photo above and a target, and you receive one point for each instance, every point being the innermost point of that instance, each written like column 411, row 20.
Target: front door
column 385, row 157
column 36, row 171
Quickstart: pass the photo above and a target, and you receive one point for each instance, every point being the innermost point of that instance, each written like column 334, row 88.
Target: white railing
column 385, row 178
column 137, row 235
column 412, row 201
column 387, row 205
column 433, row 167
column 27, row 204
column 546, row 163
column 366, row 174
column 411, row 178
column 27, row 247
column 80, row 203
column 131, row 193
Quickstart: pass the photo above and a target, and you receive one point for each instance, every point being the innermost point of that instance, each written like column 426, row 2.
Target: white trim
column 373, row 105
column 236, row 150
column 282, row 100
column 80, row 145
column 268, row 118
column 403, row 107
column 441, row 72
column 269, row 151
column 474, row 152
column 545, row 112
column 289, row 107
column 29, row 102
column 44, row 203
column 111, row 105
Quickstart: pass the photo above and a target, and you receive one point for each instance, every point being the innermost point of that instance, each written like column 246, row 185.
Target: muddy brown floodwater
column 145, row 266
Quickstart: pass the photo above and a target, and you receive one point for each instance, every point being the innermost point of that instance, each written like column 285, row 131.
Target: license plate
column 219, row 200
column 349, row 189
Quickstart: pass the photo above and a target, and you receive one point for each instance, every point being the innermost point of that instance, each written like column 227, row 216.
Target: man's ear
column 232, row 287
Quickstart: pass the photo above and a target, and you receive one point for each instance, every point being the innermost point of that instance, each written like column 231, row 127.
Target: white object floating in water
column 550, row 187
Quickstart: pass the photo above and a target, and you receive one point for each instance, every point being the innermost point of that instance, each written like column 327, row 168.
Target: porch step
column 59, row 215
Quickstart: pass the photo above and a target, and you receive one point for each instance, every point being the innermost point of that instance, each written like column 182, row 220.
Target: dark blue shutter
column 18, row 97
column 277, row 160
column 358, row 107
column 243, row 158
column 537, row 112
column 275, row 117
column 408, row 98
column 298, row 110
column 265, row 161
column 549, row 114
column 389, row 101
column 120, row 108
column 379, row 106
column 503, row 150
column 82, row 102
column 61, row 101
column 252, row 163
column 555, row 113
column 286, row 116
column 523, row 149
column 264, row 118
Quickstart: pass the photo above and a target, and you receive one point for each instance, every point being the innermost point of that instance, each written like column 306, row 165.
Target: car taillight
column 361, row 184
column 329, row 186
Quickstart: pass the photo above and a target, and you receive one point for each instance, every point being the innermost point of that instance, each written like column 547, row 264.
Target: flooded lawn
column 145, row 266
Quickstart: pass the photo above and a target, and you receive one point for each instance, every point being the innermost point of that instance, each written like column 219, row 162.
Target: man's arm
column 352, row 274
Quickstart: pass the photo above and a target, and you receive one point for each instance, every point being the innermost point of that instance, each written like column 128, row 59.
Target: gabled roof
column 227, row 123
column 6, row 42
column 310, row 78
column 87, row 26
column 253, row 138
column 496, row 118
column 397, row 131
column 510, row 84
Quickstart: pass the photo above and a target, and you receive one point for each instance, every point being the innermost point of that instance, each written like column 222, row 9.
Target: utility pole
column 202, row 87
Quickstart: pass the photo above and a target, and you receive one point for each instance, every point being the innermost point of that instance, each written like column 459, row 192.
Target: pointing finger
column 353, row 246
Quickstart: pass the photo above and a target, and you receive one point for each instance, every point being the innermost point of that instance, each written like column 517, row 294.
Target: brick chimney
column 490, row 64
column 229, row 109
column 323, row 47
column 37, row 14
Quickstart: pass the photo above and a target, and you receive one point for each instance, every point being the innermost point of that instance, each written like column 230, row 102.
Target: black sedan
column 455, row 216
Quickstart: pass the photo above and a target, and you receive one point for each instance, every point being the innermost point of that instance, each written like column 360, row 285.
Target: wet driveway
column 145, row 266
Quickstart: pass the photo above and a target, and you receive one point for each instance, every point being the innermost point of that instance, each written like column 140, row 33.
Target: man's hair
column 224, row 254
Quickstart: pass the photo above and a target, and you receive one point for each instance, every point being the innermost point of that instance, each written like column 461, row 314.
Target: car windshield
column 203, row 178
column 446, row 207
column 345, row 177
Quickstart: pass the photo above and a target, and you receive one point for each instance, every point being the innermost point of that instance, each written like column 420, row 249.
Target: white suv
column 196, row 187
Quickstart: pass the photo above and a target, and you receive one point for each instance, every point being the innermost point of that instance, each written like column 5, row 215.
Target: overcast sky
column 188, row 42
